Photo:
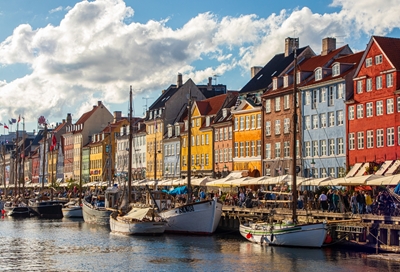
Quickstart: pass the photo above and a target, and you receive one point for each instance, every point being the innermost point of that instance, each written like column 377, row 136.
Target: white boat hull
column 91, row 215
column 196, row 218
column 72, row 212
column 136, row 228
column 308, row 235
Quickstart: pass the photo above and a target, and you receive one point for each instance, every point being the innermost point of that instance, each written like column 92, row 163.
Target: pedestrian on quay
column 323, row 200
column 353, row 203
column 368, row 202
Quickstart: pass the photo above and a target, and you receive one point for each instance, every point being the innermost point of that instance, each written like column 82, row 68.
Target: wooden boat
column 138, row 221
column 289, row 233
column 72, row 210
column 96, row 209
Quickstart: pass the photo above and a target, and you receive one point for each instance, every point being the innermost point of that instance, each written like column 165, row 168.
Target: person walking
column 323, row 200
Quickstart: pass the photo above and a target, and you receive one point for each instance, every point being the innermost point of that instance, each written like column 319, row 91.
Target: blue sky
column 59, row 57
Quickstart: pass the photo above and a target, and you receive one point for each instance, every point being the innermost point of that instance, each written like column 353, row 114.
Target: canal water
column 71, row 245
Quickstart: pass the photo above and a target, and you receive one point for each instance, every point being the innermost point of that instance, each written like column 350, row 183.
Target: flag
column 53, row 142
column 19, row 118
column 5, row 126
column 13, row 120
column 10, row 122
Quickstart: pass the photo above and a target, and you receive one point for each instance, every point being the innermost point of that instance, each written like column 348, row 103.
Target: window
column 351, row 113
column 247, row 122
column 340, row 146
column 286, row 101
column 331, row 95
column 379, row 107
column 323, row 172
column 307, row 122
column 331, row 147
column 307, row 149
column 351, row 141
column 253, row 148
column 216, row 155
column 268, row 151
column 360, row 140
column 359, row 86
column 389, row 106
column 259, row 120
column 277, row 150
column 267, row 128
column 275, row 83
column 331, row 117
column 285, row 81
column 370, row 138
column 258, row 147
column 360, row 111
column 253, row 121
column 340, row 92
column 315, row 148
column 277, row 127
column 286, row 125
column 229, row 132
column 207, row 159
column 322, row 95
column 236, row 124
column 314, row 99
column 268, row 105
column 378, row 59
column 315, row 122
column 318, row 74
column 323, row 147
column 368, row 62
column 336, row 69
column 379, row 82
column 206, row 139
column 369, row 85
column 236, row 149
column 323, row 120
column 298, row 79
column 286, row 149
column 390, row 136
column 369, row 109
column 202, row 139
column 379, row 138
column 277, row 103
column 241, row 122
column 308, row 98
column 389, row 80
column 198, row 122
column 225, row 133
column 216, row 135
column 230, row 154
column 242, row 149
column 177, row 130
column 340, row 118
column 398, row 135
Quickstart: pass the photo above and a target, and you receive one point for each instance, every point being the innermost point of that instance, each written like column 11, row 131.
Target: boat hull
column 137, row 228
column 92, row 215
column 197, row 218
column 51, row 209
column 19, row 212
column 308, row 235
column 72, row 212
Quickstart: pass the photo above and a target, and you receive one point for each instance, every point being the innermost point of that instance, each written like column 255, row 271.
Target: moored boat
column 138, row 221
column 17, row 210
column 72, row 210
column 51, row 209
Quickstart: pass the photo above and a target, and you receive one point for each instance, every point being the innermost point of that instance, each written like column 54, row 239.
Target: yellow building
column 247, row 138
column 154, row 155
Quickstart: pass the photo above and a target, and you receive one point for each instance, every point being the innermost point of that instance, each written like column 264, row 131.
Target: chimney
column 117, row 116
column 209, row 84
column 254, row 70
column 328, row 45
column 98, row 103
column 69, row 118
column 290, row 45
column 179, row 81
column 63, row 121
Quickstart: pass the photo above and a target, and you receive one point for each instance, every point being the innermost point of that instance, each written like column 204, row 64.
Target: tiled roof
column 391, row 48
column 319, row 61
column 211, row 105
column 274, row 67
column 351, row 59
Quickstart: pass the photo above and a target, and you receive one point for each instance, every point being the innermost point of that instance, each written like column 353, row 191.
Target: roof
column 163, row 98
column 274, row 67
column 391, row 48
column 211, row 106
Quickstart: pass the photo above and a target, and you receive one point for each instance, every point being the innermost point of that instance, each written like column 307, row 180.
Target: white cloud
column 93, row 54
column 60, row 8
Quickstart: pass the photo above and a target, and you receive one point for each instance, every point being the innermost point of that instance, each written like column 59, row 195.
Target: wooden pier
column 371, row 231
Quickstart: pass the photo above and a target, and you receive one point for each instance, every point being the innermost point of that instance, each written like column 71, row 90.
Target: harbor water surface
column 73, row 245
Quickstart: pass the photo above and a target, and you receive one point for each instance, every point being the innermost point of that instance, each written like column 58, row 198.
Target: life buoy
column 328, row 239
column 249, row 235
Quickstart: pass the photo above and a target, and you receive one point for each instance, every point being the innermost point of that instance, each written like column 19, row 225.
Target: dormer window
column 169, row 131
column 186, row 125
column 318, row 74
column 336, row 69
column 150, row 115
column 208, row 121
column 224, row 113
column 177, row 130
column 275, row 84
column 298, row 78
column 285, row 81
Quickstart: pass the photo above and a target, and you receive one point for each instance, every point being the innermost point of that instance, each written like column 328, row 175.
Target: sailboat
column 289, row 232
column 200, row 218
column 135, row 219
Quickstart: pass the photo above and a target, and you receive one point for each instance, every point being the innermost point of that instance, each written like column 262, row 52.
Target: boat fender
column 272, row 237
column 249, row 235
column 3, row 211
column 328, row 239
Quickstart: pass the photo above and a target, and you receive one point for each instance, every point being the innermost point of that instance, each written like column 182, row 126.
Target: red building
column 373, row 113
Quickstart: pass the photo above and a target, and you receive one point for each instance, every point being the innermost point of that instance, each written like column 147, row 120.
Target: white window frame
column 277, row 103
column 379, row 107
column 351, row 112
column 369, row 109
column 318, row 74
column 368, row 62
column 268, row 106
column 390, row 106
column 390, row 136
column 359, row 86
column 277, row 127
column 389, row 80
column 351, row 141
column 370, row 139
column 368, row 87
column 360, row 111
column 378, row 59
column 267, row 128
column 378, row 82
column 379, row 138
column 336, row 69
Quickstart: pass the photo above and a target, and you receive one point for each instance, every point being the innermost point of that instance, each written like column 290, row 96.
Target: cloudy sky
column 59, row 57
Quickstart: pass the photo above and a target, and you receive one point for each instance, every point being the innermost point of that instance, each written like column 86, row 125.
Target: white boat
column 195, row 218
column 72, row 210
column 289, row 233
column 285, row 234
column 138, row 221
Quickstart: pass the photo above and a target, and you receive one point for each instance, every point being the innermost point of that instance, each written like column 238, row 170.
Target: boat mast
column 294, row 143
column 44, row 154
column 16, row 192
column 189, row 160
column 23, row 154
column 130, row 148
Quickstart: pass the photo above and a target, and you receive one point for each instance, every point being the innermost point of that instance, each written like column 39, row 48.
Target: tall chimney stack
column 290, row 45
column 254, row 70
column 179, row 81
column 328, row 45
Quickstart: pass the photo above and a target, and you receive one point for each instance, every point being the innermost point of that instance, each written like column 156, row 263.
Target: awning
column 393, row 168
column 314, row 181
column 59, row 180
column 362, row 170
column 384, row 167
column 354, row 169
column 385, row 180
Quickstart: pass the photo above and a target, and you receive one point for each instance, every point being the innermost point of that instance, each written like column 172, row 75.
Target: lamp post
column 312, row 169
column 216, row 169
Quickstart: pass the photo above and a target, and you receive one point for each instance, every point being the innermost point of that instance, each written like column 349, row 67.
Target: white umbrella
column 385, row 180
column 314, row 181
